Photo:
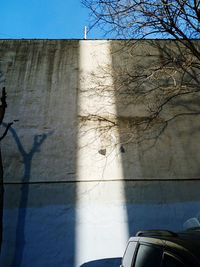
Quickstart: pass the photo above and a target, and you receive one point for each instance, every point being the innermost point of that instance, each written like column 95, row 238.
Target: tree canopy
column 166, row 72
column 177, row 19
column 155, row 18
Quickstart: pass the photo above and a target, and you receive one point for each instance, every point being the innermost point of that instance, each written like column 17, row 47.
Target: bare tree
column 166, row 73
column 159, row 78
column 141, row 19
column 178, row 19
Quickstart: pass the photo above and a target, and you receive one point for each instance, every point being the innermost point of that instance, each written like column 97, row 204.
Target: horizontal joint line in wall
column 104, row 181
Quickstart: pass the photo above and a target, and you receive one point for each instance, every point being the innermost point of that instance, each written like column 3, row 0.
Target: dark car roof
column 190, row 240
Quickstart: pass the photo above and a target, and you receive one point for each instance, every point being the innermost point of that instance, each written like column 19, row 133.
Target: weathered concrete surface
column 51, row 217
column 72, row 194
column 41, row 78
column 41, row 81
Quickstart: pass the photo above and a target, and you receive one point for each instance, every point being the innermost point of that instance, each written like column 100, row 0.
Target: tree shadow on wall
column 157, row 97
column 27, row 157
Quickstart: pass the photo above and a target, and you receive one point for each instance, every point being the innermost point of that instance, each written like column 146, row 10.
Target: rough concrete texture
column 77, row 184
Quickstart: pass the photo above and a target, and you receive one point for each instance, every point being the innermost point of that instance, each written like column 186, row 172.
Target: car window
column 171, row 261
column 129, row 253
column 150, row 256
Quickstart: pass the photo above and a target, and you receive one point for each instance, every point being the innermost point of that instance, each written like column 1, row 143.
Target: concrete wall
column 77, row 185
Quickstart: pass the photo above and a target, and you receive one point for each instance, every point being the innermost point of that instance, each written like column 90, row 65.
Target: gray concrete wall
column 71, row 195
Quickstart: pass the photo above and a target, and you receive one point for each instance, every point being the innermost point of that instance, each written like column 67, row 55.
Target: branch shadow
column 157, row 97
column 27, row 158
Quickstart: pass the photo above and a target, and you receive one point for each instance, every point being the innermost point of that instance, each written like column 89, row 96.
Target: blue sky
column 44, row 19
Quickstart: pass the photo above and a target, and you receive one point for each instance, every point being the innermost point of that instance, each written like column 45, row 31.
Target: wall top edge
column 93, row 40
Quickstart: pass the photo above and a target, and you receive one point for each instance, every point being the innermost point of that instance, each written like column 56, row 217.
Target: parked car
column 161, row 248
